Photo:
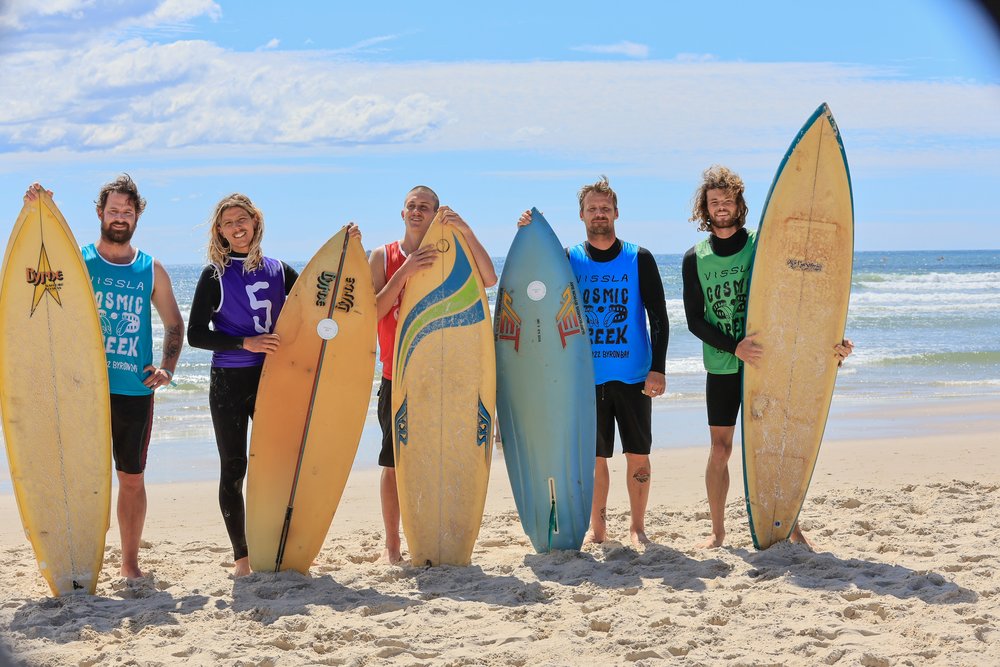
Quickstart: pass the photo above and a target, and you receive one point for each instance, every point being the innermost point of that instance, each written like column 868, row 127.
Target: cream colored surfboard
column 54, row 397
column 799, row 291
column 311, row 406
column 443, row 400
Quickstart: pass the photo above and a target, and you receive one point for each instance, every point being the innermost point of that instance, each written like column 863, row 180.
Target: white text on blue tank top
column 605, row 302
column 120, row 319
column 262, row 304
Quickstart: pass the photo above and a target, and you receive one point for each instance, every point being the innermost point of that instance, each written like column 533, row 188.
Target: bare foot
column 241, row 568
column 132, row 572
column 592, row 538
column 713, row 542
column 391, row 557
column 639, row 539
column 798, row 537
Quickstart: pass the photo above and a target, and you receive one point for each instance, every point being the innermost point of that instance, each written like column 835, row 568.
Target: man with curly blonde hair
column 716, row 275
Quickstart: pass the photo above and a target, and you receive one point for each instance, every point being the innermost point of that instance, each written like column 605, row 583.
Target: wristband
column 170, row 374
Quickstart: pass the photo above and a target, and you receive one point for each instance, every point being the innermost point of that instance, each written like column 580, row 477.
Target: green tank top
column 725, row 283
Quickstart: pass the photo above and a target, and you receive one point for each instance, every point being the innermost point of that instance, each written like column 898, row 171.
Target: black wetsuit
column 722, row 392
column 232, row 395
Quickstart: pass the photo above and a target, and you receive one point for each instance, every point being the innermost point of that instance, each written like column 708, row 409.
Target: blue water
column 926, row 326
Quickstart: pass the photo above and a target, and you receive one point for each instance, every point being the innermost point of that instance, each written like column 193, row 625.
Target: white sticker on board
column 536, row 290
column 327, row 329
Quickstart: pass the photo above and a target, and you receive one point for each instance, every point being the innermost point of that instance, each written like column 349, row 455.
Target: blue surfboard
column 545, row 389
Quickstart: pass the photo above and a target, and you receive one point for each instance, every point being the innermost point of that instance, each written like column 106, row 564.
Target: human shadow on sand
column 267, row 596
column 825, row 571
column 471, row 583
column 618, row 566
column 68, row 615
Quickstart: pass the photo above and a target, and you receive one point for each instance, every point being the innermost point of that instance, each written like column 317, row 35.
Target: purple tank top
column 249, row 307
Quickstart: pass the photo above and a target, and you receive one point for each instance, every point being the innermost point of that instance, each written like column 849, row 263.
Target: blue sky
column 325, row 112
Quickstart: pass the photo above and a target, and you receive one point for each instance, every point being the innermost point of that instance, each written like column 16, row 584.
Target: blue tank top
column 249, row 306
column 616, row 316
column 124, row 297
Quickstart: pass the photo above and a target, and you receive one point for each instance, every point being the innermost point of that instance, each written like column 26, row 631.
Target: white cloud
column 625, row 48
column 273, row 43
column 14, row 13
column 181, row 97
column 173, row 11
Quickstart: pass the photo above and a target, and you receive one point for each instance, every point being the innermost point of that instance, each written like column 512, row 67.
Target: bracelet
column 170, row 374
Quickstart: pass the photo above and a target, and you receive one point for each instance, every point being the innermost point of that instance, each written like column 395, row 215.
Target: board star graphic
column 49, row 286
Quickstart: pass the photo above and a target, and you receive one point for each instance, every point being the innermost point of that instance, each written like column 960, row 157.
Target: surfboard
column 799, row 291
column 443, row 401
column 545, row 389
column 311, row 407
column 54, row 398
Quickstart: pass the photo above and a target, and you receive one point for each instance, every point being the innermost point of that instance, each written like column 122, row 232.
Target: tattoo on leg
column 604, row 514
column 641, row 475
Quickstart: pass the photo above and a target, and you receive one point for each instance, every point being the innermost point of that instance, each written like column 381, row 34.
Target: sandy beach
column 905, row 572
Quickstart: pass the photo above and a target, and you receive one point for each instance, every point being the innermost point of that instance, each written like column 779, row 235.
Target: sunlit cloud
column 625, row 48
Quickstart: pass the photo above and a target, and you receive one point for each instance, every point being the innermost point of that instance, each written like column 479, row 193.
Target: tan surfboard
column 799, row 292
column 311, row 407
column 54, row 398
column 443, row 401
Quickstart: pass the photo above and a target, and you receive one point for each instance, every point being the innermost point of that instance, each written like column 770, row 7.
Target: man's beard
column 119, row 236
column 600, row 228
column 731, row 222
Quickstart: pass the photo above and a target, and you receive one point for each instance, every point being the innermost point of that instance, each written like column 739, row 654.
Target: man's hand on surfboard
column 843, row 350
column 749, row 351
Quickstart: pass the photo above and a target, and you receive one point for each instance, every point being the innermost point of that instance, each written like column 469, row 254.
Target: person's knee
column 233, row 471
column 130, row 482
column 639, row 468
column 722, row 448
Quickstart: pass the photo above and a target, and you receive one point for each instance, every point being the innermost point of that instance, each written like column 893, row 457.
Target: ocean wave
column 925, row 280
column 981, row 358
column 935, row 301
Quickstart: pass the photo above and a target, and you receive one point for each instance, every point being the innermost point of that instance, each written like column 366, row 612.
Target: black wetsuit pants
column 232, row 394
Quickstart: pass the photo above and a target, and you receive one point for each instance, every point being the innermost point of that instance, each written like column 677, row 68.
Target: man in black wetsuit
column 716, row 283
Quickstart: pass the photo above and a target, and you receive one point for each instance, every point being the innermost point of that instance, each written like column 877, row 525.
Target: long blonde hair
column 218, row 248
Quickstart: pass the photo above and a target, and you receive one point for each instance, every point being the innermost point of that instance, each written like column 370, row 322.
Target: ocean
column 926, row 327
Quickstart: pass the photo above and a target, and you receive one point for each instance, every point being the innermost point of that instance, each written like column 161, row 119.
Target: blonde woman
column 233, row 313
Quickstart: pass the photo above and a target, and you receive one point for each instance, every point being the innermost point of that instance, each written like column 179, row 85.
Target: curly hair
column 600, row 187
column 718, row 177
column 218, row 247
column 123, row 185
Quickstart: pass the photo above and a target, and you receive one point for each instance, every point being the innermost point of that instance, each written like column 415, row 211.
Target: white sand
column 907, row 572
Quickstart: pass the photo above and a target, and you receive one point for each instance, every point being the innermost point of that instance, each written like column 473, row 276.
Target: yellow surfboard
column 54, row 398
column 311, row 406
column 799, row 292
column 443, row 401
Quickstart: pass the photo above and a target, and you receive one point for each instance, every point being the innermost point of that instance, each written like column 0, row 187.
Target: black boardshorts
column 386, row 459
column 632, row 410
column 722, row 397
column 131, row 424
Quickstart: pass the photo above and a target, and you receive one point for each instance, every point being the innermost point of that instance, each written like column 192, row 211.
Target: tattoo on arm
column 172, row 340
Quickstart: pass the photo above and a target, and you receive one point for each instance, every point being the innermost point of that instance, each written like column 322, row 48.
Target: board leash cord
column 553, row 514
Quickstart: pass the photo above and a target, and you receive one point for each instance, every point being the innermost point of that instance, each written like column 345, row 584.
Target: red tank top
column 394, row 259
